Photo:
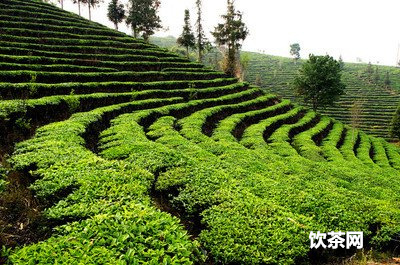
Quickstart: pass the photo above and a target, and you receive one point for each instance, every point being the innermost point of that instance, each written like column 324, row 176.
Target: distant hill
column 166, row 42
column 377, row 102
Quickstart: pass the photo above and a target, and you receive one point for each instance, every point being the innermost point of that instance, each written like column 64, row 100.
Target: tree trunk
column 200, row 56
column 199, row 41
column 79, row 7
column 187, row 52
column 116, row 26
column 62, row 4
column 134, row 32
column 230, row 67
column 90, row 12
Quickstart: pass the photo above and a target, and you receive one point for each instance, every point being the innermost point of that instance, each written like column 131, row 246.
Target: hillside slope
column 377, row 102
column 134, row 155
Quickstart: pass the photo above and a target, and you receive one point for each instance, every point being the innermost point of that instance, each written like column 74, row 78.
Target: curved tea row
column 378, row 103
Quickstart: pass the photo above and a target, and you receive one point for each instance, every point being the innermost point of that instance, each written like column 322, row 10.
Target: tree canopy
column 295, row 51
column 319, row 81
column 229, row 35
column 187, row 38
column 116, row 12
column 143, row 17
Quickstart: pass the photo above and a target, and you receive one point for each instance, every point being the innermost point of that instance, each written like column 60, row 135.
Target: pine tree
column 187, row 38
column 202, row 42
column 143, row 18
column 116, row 12
column 229, row 35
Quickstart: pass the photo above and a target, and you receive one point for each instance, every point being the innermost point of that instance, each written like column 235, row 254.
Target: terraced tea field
column 377, row 102
column 124, row 153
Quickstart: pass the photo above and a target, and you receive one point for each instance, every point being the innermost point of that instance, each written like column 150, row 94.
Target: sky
column 353, row 29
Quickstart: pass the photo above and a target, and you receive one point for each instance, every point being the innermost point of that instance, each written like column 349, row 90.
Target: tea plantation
column 376, row 101
column 138, row 156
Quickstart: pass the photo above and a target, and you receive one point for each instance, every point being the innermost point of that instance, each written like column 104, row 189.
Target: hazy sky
column 352, row 28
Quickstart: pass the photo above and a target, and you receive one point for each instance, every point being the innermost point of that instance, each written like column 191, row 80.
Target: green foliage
column 138, row 234
column 73, row 103
column 187, row 38
column 3, row 173
column 252, row 172
column 230, row 35
column 62, row 77
column 33, row 77
column 143, row 18
column 23, row 124
column 319, row 81
column 382, row 100
column 244, row 64
column 395, row 125
column 115, row 12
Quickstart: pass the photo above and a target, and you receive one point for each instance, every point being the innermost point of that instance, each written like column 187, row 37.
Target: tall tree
column 377, row 76
column 395, row 126
column 229, row 35
column 79, row 5
column 369, row 71
column 116, row 12
column 91, row 4
column 295, row 51
column 319, row 81
column 143, row 17
column 387, row 80
column 187, row 38
column 202, row 42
